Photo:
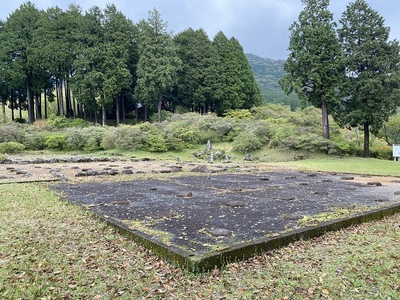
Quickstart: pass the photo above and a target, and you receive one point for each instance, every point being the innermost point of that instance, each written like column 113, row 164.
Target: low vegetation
column 246, row 130
column 50, row 249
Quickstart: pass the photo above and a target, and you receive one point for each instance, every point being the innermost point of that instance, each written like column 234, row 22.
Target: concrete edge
column 242, row 251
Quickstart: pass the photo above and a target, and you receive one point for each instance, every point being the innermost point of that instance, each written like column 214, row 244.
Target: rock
column 186, row 195
column 127, row 172
column 219, row 232
column 122, row 202
column 374, row 183
column 284, row 198
column 38, row 160
column 347, row 178
column 21, row 172
column 81, row 174
column 236, row 204
column 263, row 179
column 200, row 169
column 92, row 173
column 249, row 157
column 113, row 172
column 7, row 162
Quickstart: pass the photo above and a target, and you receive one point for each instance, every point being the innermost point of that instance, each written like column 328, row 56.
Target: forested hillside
column 267, row 73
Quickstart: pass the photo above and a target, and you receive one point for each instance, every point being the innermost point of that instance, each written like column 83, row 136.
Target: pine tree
column 314, row 67
column 372, row 69
column 158, row 62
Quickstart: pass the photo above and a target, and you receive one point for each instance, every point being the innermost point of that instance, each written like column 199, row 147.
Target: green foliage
column 3, row 157
column 58, row 122
column 35, row 139
column 11, row 147
column 12, row 132
column 239, row 114
column 20, row 120
column 315, row 66
column 382, row 152
column 372, row 61
column 158, row 62
column 253, row 137
column 390, row 131
column 267, row 73
column 87, row 139
column 56, row 141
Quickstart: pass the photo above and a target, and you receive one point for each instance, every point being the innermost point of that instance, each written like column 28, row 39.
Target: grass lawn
column 50, row 249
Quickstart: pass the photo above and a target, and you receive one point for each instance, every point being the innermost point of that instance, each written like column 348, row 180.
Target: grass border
column 239, row 252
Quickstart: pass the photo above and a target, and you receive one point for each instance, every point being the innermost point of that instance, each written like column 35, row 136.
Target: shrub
column 247, row 142
column 35, row 140
column 12, row 132
column 57, row 122
column 11, row 147
column 3, row 157
column 20, row 120
column 88, row 139
column 56, row 141
column 382, row 152
column 239, row 114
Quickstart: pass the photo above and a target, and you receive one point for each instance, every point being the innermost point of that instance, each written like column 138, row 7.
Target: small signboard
column 396, row 151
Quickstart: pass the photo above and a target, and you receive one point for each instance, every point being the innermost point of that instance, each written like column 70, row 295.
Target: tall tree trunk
column 20, row 105
column 366, row 139
column 31, row 105
column 12, row 105
column 325, row 119
column 103, row 115
column 60, row 98
column 123, row 108
column 38, row 106
column 74, row 108
column 68, row 105
column 45, row 104
column 159, row 105
column 3, row 106
column 117, row 112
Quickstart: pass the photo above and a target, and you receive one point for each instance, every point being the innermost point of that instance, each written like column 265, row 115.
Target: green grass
column 50, row 249
column 355, row 165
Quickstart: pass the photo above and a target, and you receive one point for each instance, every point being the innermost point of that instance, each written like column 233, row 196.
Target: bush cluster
column 11, row 147
column 248, row 131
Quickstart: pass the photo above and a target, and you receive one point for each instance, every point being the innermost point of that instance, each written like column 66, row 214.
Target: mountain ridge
column 267, row 72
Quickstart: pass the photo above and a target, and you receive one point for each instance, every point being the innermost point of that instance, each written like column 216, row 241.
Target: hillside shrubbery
column 248, row 130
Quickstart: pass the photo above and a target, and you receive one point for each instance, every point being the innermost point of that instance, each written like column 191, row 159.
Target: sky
column 261, row 26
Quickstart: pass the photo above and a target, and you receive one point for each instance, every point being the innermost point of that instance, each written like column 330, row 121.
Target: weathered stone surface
column 219, row 232
column 263, row 179
column 92, row 173
column 81, row 174
column 38, row 160
column 236, row 204
column 21, row 172
column 127, row 172
column 200, row 169
column 249, row 157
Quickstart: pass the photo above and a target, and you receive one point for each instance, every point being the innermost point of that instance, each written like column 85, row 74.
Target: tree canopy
column 100, row 61
column 371, row 92
column 314, row 66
